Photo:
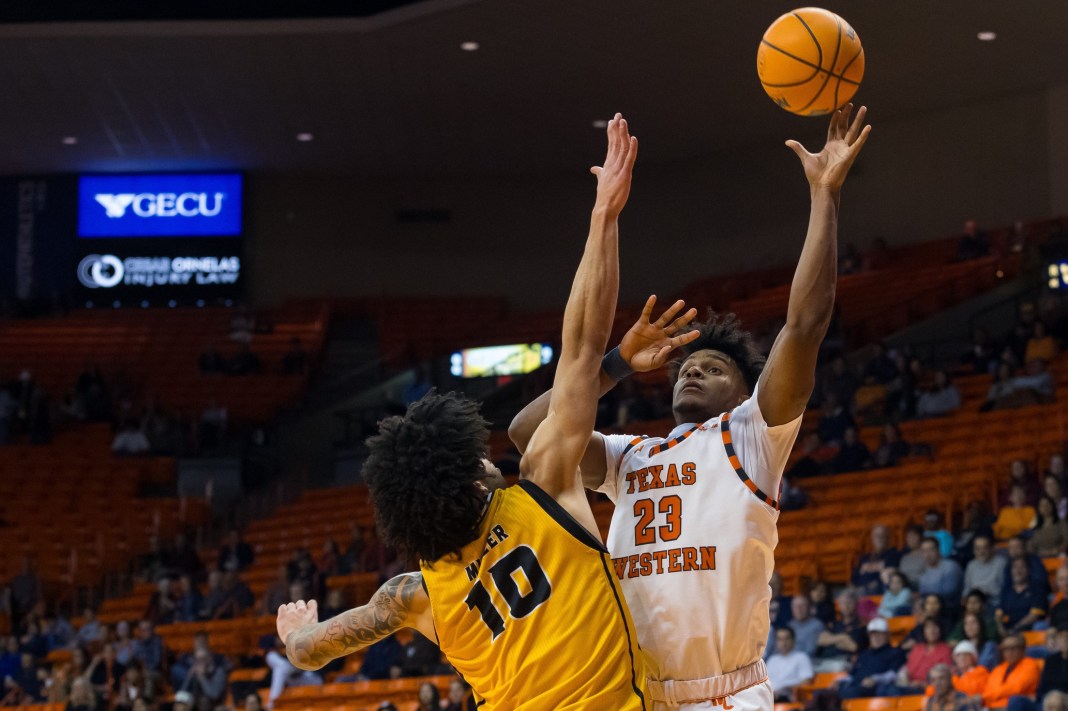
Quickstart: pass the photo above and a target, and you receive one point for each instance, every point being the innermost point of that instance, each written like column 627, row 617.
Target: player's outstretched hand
column 294, row 615
column 613, row 178
column 647, row 345
column 828, row 168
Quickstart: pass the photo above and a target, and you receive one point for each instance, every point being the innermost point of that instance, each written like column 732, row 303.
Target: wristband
column 614, row 365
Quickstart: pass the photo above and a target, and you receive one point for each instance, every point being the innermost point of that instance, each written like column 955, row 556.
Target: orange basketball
column 810, row 61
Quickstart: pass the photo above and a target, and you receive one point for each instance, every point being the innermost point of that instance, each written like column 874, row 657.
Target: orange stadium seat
column 874, row 704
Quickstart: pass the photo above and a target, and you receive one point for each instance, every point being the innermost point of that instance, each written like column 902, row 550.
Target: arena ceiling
column 387, row 90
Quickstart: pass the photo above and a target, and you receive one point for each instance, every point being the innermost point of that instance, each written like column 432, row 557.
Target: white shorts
column 745, row 689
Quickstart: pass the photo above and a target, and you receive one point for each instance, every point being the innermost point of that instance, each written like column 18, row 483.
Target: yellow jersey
column 532, row 615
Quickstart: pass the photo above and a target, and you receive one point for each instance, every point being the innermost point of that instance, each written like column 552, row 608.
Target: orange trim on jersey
column 672, row 442
column 732, row 457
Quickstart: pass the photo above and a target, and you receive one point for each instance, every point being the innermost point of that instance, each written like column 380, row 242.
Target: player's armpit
column 400, row 602
column 594, row 465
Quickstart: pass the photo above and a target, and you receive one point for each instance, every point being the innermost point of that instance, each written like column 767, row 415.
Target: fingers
column 632, row 152
column 832, row 126
column 685, row 338
column 668, row 315
column 681, row 322
column 300, row 605
column 313, row 606
column 647, row 310
column 798, row 149
column 843, row 119
column 855, row 128
column 855, row 148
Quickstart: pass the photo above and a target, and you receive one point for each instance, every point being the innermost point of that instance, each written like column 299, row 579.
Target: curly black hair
column 421, row 473
column 724, row 333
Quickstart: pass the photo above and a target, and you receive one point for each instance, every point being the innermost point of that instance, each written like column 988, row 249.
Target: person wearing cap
column 944, row 697
column 1055, row 672
column 971, row 677
column 875, row 671
column 183, row 701
column 1017, row 676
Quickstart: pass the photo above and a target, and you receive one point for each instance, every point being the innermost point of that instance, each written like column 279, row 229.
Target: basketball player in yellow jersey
column 514, row 584
column 694, row 529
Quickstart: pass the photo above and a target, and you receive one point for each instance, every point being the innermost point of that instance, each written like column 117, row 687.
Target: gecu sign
column 161, row 204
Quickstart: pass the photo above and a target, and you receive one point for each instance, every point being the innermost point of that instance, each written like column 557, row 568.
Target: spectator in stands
column 1049, row 537
column 460, row 698
column 189, row 601
column 942, row 399
column 1058, row 609
column 236, row 597
column 10, row 657
column 212, row 427
column 897, row 599
column 378, row 557
column 975, row 524
column 933, row 528
column 421, row 657
column 1022, row 603
column 892, row 448
column 844, row 637
column 982, row 355
column 295, row 361
column 835, row 419
column 819, row 595
column 1041, row 346
column 986, row 571
column 329, row 563
column 148, row 649
column 206, row 679
column 1053, row 487
column 352, row 561
column 1015, row 518
column 303, row 568
column 875, row 669
column 245, row 361
column 1017, row 548
column 135, row 686
column 923, row 657
column 105, row 672
column 1020, row 474
column 214, row 597
column 1055, row 701
column 788, row 667
column 840, row 381
column 926, row 607
column 57, row 631
column 235, row 554
column 131, row 440
column 89, row 632
column 1056, row 468
column 1055, row 670
column 912, row 563
column 153, row 564
column 82, row 697
column 868, row 575
column 277, row 593
column 853, row 455
column 973, row 244
column 807, row 629
column 1000, row 393
column 211, row 361
column 971, row 676
column 941, row 576
column 944, row 696
column 808, row 465
column 1017, row 675
column 162, row 606
column 429, row 697
column 1037, row 382
column 382, row 660
column 780, row 604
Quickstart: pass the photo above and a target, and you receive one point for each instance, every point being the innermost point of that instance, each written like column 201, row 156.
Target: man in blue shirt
column 875, row 671
column 868, row 575
column 1022, row 603
column 941, row 576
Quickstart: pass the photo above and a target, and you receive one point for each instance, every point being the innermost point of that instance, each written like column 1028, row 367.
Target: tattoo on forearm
column 314, row 646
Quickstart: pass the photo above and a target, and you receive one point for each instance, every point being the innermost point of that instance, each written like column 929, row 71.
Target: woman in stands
column 1049, row 537
column 926, row 656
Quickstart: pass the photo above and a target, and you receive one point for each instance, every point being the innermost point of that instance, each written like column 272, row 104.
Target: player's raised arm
column 551, row 461
column 789, row 376
column 310, row 644
column 645, row 347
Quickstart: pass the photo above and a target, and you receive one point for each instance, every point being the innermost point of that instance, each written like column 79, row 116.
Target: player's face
column 709, row 383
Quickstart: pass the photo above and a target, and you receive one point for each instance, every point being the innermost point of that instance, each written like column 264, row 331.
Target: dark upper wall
column 919, row 178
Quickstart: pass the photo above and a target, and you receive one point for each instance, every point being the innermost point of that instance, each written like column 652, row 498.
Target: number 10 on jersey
column 503, row 575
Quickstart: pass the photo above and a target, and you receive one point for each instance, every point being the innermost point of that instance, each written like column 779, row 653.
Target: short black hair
column 977, row 593
column 421, row 473
column 723, row 333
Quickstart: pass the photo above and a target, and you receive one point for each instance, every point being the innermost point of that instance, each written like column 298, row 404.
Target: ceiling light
column 600, row 123
column 469, row 46
column 304, row 137
column 69, row 140
column 987, row 36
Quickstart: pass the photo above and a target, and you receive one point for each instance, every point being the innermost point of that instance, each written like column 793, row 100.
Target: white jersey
column 693, row 538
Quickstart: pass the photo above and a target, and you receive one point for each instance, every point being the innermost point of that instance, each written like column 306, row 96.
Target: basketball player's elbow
column 519, row 431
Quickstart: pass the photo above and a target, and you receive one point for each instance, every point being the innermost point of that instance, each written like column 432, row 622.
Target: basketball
column 810, row 61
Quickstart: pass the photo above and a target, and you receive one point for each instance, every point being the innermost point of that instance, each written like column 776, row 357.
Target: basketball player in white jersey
column 694, row 529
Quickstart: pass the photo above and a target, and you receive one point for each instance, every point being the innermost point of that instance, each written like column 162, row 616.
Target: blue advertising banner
column 160, row 205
